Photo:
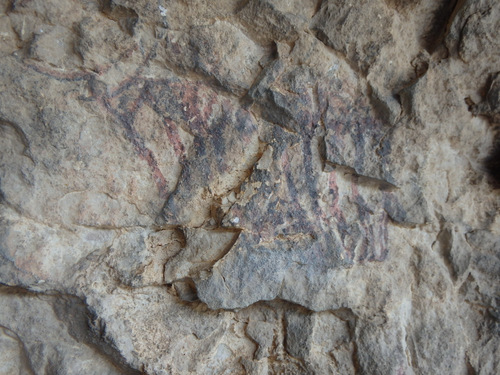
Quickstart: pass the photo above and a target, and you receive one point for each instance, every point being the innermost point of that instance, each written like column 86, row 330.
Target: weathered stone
column 263, row 186
column 263, row 334
column 276, row 20
column 490, row 107
column 358, row 30
column 50, row 334
column 220, row 51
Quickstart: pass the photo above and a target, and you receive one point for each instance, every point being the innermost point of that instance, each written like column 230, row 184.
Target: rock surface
column 261, row 187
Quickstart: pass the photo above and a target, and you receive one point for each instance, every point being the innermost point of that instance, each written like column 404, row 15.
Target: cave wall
column 249, row 187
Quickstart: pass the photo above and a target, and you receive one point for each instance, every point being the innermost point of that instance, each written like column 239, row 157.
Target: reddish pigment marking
column 376, row 234
column 158, row 177
column 75, row 75
column 332, row 184
column 144, row 153
column 335, row 210
column 111, row 106
column 191, row 101
column 284, row 161
column 174, row 138
column 199, row 105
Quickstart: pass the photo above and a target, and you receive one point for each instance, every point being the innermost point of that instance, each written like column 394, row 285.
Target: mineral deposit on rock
column 249, row 187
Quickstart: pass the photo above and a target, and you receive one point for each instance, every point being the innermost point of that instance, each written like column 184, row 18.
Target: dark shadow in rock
column 492, row 165
column 125, row 17
column 440, row 24
column 78, row 319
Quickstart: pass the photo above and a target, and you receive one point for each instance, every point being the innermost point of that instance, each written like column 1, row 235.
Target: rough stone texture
column 261, row 187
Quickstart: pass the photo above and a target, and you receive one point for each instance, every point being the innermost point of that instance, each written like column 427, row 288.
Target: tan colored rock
column 50, row 334
column 220, row 51
column 261, row 187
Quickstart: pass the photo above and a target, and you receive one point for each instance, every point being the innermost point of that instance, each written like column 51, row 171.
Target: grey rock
column 216, row 51
column 56, row 338
column 358, row 30
column 261, row 186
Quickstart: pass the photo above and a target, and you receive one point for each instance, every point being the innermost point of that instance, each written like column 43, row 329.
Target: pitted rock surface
column 261, row 187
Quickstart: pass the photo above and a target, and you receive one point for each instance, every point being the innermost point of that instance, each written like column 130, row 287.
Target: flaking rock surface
column 249, row 187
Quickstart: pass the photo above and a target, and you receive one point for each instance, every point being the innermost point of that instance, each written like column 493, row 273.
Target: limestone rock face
column 249, row 187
